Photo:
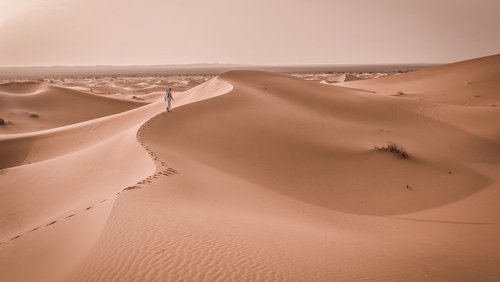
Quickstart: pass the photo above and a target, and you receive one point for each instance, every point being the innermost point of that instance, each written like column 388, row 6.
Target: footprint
column 131, row 188
column 71, row 215
column 51, row 223
column 88, row 208
column 34, row 229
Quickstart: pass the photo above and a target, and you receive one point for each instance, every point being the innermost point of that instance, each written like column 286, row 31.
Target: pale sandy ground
column 136, row 88
column 333, row 78
column 272, row 179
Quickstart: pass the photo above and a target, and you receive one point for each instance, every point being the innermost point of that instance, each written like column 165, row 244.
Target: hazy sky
column 125, row 32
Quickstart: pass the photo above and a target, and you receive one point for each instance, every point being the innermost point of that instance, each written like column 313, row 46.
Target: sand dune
column 53, row 175
column 58, row 178
column 468, row 83
column 27, row 87
column 30, row 107
column 256, row 176
column 126, row 87
column 316, row 144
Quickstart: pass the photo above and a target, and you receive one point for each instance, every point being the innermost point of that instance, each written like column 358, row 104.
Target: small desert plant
column 2, row 121
column 395, row 149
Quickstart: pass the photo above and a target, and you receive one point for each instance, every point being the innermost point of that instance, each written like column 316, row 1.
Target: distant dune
column 256, row 176
column 196, row 69
column 32, row 106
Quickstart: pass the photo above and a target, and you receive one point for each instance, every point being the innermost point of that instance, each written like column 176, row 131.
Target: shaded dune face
column 20, row 88
column 316, row 143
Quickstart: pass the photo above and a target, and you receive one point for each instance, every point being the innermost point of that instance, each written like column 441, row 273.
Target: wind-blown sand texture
column 256, row 176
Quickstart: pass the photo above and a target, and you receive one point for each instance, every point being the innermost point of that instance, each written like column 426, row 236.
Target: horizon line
column 227, row 65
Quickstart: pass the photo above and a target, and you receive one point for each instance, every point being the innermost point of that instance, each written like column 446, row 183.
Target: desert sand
column 254, row 176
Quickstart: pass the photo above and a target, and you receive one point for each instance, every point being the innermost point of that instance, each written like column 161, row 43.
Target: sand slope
column 469, row 83
column 280, row 179
column 56, row 188
column 32, row 106
column 316, row 144
column 59, row 184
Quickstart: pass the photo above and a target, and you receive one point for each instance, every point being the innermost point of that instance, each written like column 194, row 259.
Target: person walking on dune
column 169, row 98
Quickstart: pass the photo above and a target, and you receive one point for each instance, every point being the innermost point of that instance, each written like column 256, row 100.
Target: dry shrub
column 395, row 149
